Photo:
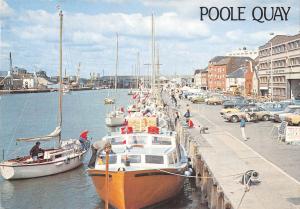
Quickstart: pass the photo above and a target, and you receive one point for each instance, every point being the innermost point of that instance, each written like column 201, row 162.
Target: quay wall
column 212, row 194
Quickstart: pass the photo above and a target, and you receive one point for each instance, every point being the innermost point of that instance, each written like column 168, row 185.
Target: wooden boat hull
column 137, row 189
column 24, row 171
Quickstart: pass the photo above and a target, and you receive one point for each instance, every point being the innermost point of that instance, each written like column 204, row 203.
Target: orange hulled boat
column 144, row 169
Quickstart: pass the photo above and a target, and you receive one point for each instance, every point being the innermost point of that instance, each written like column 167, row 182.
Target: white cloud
column 40, row 23
column 5, row 9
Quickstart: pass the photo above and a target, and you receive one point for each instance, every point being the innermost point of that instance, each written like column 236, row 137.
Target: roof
column 280, row 39
column 239, row 73
column 224, row 60
column 216, row 59
column 197, row 71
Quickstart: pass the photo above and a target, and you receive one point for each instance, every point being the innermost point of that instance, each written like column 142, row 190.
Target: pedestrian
column 97, row 146
column 35, row 150
column 187, row 114
column 176, row 118
column 174, row 100
column 243, row 125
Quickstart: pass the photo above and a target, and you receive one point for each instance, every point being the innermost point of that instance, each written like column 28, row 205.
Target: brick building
column 283, row 77
column 220, row 66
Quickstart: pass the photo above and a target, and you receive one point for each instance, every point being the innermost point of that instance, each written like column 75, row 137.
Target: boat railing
column 145, row 139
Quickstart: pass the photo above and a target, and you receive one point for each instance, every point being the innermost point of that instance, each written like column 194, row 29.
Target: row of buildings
column 273, row 71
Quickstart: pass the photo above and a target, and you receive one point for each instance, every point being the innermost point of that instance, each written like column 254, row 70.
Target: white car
column 280, row 116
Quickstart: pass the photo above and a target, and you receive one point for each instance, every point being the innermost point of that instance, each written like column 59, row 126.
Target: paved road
column 286, row 157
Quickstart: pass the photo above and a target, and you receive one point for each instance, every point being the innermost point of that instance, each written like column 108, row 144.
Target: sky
column 30, row 30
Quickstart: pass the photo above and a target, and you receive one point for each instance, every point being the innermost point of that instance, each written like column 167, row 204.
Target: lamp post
column 245, row 84
column 271, row 83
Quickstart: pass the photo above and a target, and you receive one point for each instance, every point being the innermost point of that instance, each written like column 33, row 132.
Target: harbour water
column 26, row 115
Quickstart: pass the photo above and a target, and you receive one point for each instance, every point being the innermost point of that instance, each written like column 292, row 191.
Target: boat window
column 117, row 140
column 156, row 159
column 131, row 158
column 161, row 141
column 102, row 159
column 170, row 158
column 137, row 140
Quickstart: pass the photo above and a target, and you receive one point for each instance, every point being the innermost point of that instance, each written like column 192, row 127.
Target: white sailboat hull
column 114, row 121
column 24, row 171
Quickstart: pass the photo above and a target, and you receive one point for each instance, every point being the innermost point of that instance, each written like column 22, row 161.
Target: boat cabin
column 142, row 151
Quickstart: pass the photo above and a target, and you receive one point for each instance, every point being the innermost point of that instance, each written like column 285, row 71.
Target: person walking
column 243, row 125
column 176, row 118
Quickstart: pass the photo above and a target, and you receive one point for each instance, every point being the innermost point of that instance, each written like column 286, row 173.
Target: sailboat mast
column 60, row 76
column 157, row 70
column 153, row 53
column 138, row 69
column 117, row 62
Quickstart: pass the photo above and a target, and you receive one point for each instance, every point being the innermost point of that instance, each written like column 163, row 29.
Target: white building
column 236, row 79
column 29, row 82
column 244, row 52
column 279, row 68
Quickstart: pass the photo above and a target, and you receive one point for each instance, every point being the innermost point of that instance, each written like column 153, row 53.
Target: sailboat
column 66, row 87
column 115, row 117
column 109, row 99
column 66, row 156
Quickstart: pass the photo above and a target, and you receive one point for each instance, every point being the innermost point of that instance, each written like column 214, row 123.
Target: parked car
column 232, row 110
column 280, row 116
column 214, row 101
column 262, row 114
column 198, row 99
column 293, row 119
column 234, row 103
column 247, row 112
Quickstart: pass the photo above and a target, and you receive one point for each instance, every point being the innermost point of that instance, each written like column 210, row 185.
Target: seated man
column 35, row 150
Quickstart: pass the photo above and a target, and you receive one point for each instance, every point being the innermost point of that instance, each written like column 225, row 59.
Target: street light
column 271, row 34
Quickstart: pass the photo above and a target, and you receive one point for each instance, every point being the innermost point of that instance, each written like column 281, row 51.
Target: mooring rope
column 199, row 177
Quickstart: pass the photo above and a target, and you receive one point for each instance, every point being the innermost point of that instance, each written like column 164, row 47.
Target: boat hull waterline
column 24, row 171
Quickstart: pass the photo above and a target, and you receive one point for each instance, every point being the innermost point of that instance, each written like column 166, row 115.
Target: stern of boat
column 7, row 171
